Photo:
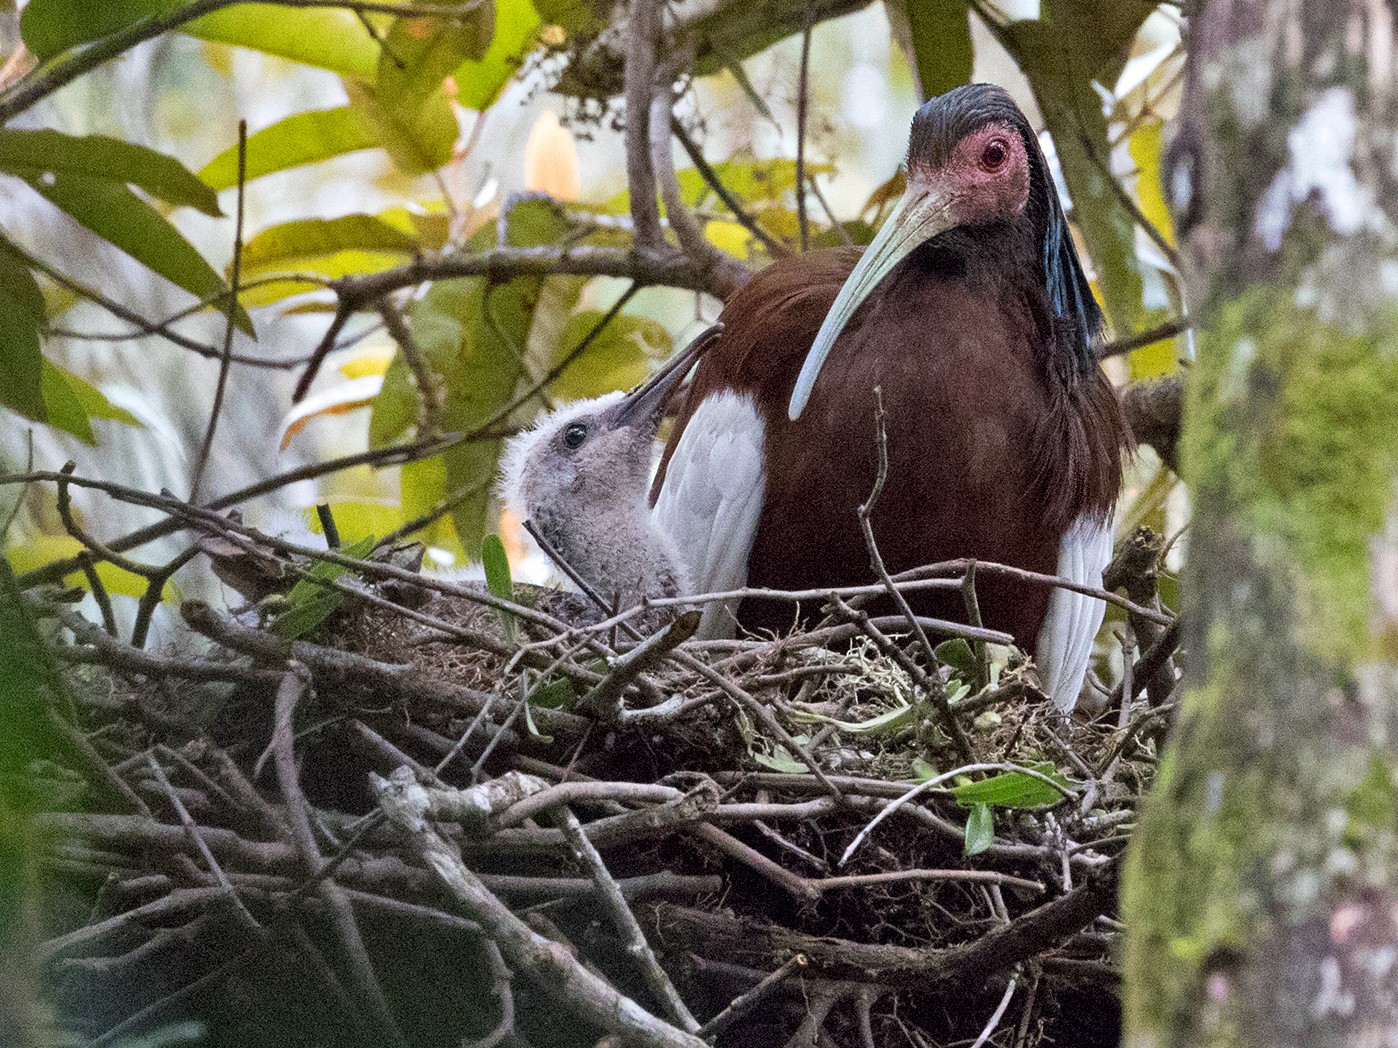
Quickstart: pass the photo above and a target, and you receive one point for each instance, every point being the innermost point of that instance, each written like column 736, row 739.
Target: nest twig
column 573, row 836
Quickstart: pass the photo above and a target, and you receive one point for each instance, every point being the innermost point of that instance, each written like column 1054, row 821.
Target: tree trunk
column 1262, row 890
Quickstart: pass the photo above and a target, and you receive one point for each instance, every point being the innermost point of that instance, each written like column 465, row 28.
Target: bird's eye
column 994, row 155
column 574, row 436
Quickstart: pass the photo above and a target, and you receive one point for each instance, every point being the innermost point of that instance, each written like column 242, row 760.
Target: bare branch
column 231, row 319
column 720, row 269
column 642, row 36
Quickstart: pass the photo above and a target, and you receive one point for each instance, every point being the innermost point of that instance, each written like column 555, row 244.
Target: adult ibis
column 972, row 316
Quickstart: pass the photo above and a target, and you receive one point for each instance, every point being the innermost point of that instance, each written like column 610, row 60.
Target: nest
column 444, row 818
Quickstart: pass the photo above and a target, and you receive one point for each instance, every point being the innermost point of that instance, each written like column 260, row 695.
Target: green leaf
column 116, row 214
column 754, row 96
column 329, row 39
column 328, row 247
column 888, row 723
column 67, row 402
column 957, row 654
column 618, row 358
column 555, row 695
column 21, row 362
column 311, row 238
column 30, row 154
column 752, row 181
column 941, row 37
column 1075, row 43
column 859, row 232
column 65, row 409
column 325, row 38
column 302, row 138
column 497, row 578
column 52, row 26
column 780, row 760
column 395, row 408
column 308, row 604
column 429, row 223
column 980, row 829
column 93, row 400
column 479, row 82
column 497, row 568
column 472, row 335
column 419, row 53
column 575, row 16
column 532, row 727
column 479, row 376
column 422, row 485
column 28, row 679
column 1012, row 789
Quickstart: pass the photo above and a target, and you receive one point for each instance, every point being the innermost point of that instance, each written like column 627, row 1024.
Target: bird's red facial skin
column 987, row 177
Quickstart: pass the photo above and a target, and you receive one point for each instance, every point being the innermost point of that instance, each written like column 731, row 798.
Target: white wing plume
column 1065, row 639
column 712, row 499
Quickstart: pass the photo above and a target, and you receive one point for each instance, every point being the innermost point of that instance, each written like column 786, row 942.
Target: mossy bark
column 1261, row 894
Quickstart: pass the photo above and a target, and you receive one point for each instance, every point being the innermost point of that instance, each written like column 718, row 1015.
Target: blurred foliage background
column 375, row 139
column 380, row 135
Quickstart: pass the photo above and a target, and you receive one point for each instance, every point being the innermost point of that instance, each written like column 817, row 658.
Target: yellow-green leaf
column 479, row 82
column 419, row 137
column 752, row 181
column 419, row 53
column 617, row 358
column 325, row 38
column 302, row 138
column 303, row 244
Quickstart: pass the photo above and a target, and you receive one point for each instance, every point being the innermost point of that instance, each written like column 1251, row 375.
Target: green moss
column 1371, row 808
column 1187, row 882
column 1293, row 424
column 1246, row 831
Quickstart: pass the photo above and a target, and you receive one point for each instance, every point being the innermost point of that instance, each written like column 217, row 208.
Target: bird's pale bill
column 646, row 399
column 924, row 211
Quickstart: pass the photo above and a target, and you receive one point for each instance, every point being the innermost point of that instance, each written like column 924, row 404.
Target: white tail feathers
column 1065, row 640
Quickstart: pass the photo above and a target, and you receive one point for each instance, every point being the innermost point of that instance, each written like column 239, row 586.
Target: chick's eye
column 574, row 436
column 994, row 155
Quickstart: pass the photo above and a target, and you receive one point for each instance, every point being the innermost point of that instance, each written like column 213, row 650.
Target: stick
column 746, row 1002
column 626, row 925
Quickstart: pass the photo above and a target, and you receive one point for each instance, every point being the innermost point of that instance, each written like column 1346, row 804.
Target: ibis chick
column 580, row 477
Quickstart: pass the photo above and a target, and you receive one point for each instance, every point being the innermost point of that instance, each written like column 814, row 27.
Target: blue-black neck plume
column 944, row 121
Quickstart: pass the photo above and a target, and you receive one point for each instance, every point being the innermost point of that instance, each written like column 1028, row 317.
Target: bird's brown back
column 989, row 455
